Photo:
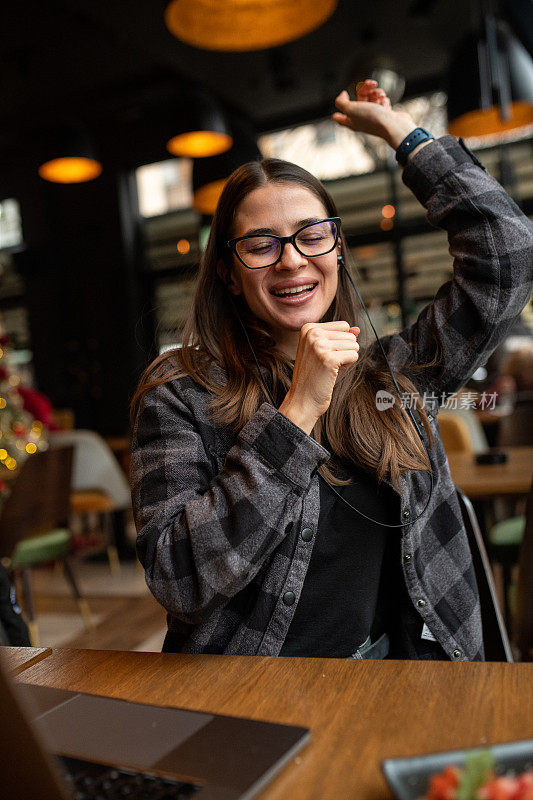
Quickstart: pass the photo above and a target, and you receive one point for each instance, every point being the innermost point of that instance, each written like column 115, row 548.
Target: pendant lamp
column 490, row 83
column 244, row 24
column 68, row 155
column 209, row 175
column 203, row 130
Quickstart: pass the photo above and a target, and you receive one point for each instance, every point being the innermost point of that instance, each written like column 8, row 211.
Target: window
column 10, row 224
column 164, row 186
column 329, row 151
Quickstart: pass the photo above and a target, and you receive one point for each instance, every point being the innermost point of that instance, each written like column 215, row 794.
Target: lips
column 296, row 296
column 293, row 289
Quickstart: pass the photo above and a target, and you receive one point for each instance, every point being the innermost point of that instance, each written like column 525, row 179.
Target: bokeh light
column 183, row 246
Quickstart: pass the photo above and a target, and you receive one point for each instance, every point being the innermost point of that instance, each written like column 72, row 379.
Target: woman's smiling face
column 281, row 209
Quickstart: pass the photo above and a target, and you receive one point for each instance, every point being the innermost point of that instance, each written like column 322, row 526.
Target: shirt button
column 289, row 598
column 406, row 514
column 421, row 603
column 307, row 534
column 457, row 654
column 407, row 557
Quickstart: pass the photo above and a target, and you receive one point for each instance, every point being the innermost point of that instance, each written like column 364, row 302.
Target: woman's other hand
column 372, row 113
column 324, row 348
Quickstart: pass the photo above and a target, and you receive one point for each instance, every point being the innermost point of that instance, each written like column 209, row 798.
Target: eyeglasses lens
column 313, row 240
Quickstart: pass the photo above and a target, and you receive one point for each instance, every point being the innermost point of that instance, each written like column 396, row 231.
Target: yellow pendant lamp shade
column 475, row 108
column 245, row 24
column 205, row 198
column 202, row 129
column 487, row 123
column 199, row 144
column 210, row 175
column 75, row 169
column 68, row 154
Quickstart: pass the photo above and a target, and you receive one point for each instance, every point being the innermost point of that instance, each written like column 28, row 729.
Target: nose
column 291, row 258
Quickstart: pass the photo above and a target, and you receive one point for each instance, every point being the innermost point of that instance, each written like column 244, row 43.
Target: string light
column 183, row 246
column 3, row 454
column 386, row 224
column 3, row 402
column 31, row 448
column 388, row 211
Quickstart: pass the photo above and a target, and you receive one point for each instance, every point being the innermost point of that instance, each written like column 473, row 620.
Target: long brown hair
column 383, row 443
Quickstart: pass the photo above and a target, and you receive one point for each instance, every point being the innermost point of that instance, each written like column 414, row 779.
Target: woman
column 238, row 434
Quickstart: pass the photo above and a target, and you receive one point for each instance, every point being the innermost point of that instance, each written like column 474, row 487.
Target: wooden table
column 487, row 480
column 359, row 712
column 17, row 659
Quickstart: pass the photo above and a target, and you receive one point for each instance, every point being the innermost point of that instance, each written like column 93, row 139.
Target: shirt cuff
column 284, row 445
column 433, row 162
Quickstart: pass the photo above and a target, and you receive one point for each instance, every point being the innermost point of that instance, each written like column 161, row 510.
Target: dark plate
column 409, row 777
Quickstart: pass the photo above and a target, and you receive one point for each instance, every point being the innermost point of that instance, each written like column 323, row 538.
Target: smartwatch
column 412, row 140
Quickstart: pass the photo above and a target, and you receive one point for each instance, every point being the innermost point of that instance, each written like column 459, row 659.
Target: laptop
column 61, row 745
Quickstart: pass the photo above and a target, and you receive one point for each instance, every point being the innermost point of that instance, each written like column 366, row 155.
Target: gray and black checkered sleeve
column 203, row 535
column 491, row 242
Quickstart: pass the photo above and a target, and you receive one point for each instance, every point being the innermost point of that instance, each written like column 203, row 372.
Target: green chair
column 505, row 539
column 34, row 525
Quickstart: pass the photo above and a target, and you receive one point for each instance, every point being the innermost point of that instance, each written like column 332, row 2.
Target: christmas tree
column 21, row 435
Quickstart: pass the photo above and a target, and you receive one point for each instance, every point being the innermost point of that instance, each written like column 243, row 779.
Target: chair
column 505, row 538
column 523, row 622
column 34, row 525
column 98, row 486
column 511, row 542
column 454, row 433
column 464, row 411
column 497, row 645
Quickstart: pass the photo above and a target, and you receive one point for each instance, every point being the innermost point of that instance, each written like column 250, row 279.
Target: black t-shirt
column 349, row 590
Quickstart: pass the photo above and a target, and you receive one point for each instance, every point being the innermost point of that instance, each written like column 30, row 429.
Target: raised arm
column 490, row 240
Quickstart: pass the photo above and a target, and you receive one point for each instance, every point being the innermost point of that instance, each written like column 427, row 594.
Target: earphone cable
column 332, row 488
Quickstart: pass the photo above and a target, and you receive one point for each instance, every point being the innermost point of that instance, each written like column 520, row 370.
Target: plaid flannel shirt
column 219, row 517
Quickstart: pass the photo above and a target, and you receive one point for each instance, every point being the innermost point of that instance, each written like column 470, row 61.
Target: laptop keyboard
column 91, row 781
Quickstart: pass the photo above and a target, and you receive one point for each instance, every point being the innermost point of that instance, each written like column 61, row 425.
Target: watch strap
column 412, row 140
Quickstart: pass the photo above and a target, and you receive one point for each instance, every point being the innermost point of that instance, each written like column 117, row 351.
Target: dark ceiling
column 115, row 60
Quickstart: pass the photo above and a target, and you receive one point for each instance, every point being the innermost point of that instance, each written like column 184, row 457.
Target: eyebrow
column 300, row 224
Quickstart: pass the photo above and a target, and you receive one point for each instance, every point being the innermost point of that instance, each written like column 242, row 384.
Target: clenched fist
column 324, row 348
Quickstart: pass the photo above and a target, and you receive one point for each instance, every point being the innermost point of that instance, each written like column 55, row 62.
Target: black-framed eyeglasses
column 265, row 250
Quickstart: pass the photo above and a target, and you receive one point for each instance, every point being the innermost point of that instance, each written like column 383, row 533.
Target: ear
column 227, row 276
column 230, row 276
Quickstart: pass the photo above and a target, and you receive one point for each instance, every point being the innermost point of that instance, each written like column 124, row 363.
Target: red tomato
column 503, row 788
column 443, row 786
column 525, row 786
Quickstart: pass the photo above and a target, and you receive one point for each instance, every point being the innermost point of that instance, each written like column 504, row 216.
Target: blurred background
column 120, row 121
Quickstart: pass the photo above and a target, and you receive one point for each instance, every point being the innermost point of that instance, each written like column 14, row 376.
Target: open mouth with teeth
column 296, row 293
